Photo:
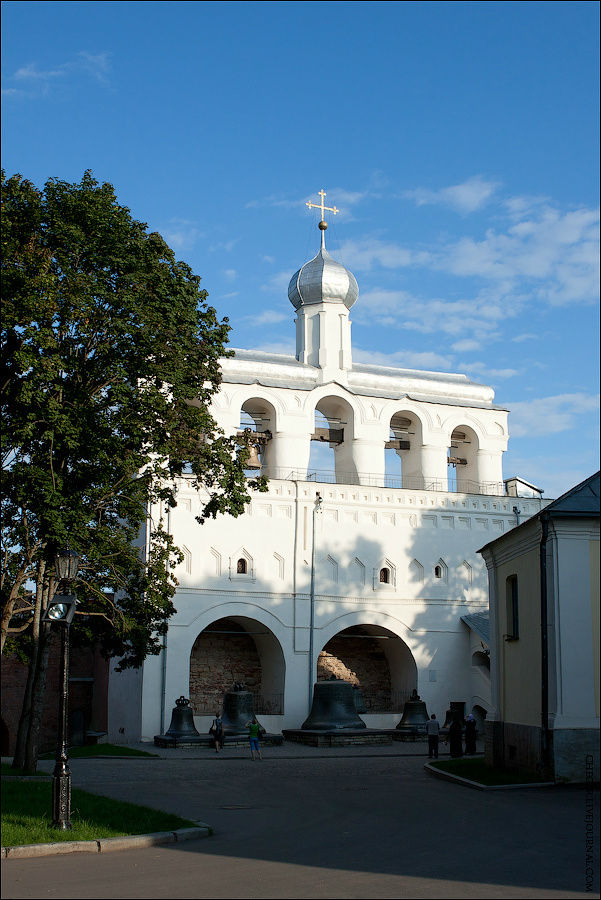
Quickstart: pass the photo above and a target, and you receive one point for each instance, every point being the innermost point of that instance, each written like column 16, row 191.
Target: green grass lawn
column 7, row 769
column 476, row 770
column 101, row 750
column 27, row 816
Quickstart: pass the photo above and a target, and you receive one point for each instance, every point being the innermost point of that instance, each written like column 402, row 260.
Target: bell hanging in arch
column 253, row 461
column 333, row 707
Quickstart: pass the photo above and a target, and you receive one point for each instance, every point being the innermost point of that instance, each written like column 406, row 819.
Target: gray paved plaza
column 342, row 823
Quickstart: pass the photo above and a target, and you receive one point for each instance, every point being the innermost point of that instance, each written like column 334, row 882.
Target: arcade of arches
column 238, row 649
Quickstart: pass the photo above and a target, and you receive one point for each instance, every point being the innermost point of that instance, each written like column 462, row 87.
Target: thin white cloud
column 268, row 317
column 286, row 348
column 465, row 198
column 181, row 234
column 552, row 473
column 226, row 246
column 465, row 346
column 365, row 255
column 34, row 80
column 278, row 282
column 478, row 317
column 518, row 207
column 484, row 370
column 341, row 198
column 527, row 336
column 404, row 359
column 230, row 274
column 550, row 415
column 555, row 256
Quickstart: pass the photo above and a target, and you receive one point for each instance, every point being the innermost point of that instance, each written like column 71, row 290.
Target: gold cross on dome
column 322, row 206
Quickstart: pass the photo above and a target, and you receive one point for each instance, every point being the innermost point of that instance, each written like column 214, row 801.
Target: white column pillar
column 369, row 461
column 286, row 453
column 428, row 470
column 489, row 471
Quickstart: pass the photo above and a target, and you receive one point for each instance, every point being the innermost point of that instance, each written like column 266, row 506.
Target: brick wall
column 219, row 660
column 361, row 661
column 87, row 698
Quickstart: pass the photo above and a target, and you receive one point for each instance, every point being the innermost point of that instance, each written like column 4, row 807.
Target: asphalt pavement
column 351, row 822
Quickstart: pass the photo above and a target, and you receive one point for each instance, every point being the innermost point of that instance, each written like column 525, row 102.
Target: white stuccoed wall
column 361, row 528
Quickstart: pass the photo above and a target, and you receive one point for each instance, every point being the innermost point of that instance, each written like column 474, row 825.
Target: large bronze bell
column 182, row 721
column 455, row 712
column 415, row 715
column 333, row 707
column 238, row 709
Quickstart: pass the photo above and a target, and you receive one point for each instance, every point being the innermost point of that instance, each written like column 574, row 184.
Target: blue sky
column 459, row 141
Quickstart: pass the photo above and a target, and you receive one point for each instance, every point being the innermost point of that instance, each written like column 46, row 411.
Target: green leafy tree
column 109, row 360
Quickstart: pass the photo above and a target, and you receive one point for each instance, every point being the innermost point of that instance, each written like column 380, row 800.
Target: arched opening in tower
column 331, row 457
column 376, row 661
column 257, row 419
column 403, row 451
column 462, row 460
column 237, row 650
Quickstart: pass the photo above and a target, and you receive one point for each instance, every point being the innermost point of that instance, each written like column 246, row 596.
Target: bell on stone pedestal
column 182, row 721
column 238, row 709
column 333, row 707
column 415, row 714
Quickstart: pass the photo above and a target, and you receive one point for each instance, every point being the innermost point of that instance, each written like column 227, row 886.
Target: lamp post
column 316, row 509
column 60, row 611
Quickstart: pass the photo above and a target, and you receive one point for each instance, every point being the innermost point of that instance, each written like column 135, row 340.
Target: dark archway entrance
column 376, row 660
column 237, row 649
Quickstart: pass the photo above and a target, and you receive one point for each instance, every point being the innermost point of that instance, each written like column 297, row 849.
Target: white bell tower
column 322, row 292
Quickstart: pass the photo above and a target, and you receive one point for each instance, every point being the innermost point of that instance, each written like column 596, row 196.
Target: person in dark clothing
column 454, row 738
column 217, row 732
column 470, row 735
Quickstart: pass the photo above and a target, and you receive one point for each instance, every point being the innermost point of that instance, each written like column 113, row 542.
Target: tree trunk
column 25, row 718
column 37, row 704
column 28, row 734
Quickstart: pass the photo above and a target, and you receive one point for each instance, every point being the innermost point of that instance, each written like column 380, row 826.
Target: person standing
column 433, row 732
column 470, row 735
column 217, row 732
column 454, row 738
column 253, row 736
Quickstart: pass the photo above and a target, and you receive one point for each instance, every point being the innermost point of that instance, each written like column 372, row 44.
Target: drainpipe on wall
column 544, row 643
column 316, row 509
column 164, row 652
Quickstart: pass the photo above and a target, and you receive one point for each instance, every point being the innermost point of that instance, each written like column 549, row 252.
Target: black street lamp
column 60, row 611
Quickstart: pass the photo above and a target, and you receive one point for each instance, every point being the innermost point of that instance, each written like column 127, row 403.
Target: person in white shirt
column 433, row 731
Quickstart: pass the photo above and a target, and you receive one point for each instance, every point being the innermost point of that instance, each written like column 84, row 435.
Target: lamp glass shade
column 67, row 564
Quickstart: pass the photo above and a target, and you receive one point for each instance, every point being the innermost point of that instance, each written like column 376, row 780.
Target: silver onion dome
column 320, row 280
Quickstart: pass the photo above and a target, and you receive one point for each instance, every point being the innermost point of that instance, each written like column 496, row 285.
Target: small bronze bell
column 333, row 707
column 182, row 721
column 253, row 461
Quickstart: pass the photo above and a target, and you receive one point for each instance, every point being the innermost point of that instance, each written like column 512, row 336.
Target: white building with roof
column 339, row 568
